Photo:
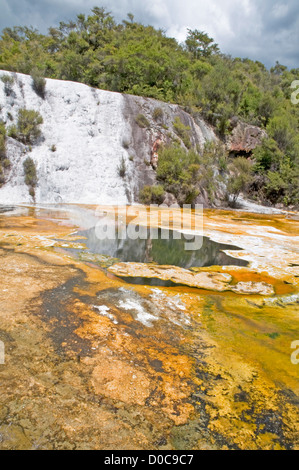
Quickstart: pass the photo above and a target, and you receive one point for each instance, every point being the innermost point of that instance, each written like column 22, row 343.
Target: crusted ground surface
column 92, row 362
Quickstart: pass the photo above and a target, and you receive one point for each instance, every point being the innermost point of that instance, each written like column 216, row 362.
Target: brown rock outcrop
column 245, row 138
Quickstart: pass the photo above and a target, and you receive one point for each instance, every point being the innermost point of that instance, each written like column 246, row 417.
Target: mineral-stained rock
column 202, row 280
column 116, row 379
column 219, row 282
column 245, row 138
column 260, row 288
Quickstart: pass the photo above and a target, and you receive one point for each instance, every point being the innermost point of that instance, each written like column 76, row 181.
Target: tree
column 278, row 69
column 199, row 44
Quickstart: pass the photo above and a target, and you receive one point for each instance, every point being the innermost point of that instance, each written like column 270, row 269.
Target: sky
column 264, row 30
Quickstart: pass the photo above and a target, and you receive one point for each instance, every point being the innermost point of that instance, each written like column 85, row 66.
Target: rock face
column 86, row 134
column 261, row 288
column 245, row 138
column 219, row 282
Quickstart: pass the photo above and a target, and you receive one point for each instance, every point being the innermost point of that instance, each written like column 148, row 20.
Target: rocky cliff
column 87, row 134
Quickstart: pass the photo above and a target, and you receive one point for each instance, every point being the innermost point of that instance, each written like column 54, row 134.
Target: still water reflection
column 163, row 251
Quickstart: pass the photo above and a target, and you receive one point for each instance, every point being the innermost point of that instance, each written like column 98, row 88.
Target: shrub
column 122, row 168
column 182, row 131
column 142, row 121
column 6, row 164
column 213, row 165
column 2, row 141
column 267, row 156
column 158, row 114
column 282, row 185
column 240, row 177
column 8, row 84
column 2, row 179
column 184, row 173
column 283, row 130
column 28, row 127
column 38, row 83
column 12, row 132
column 179, row 172
column 30, row 172
column 53, row 148
column 152, row 195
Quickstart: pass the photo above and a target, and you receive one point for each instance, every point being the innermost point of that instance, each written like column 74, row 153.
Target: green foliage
column 158, row 114
column 2, row 141
column 184, row 173
column 8, row 81
column 130, row 57
column 266, row 156
column 199, row 44
column 6, row 164
column 30, row 175
column 12, row 132
column 240, row 176
column 122, row 168
column 282, row 185
column 4, row 161
column 283, row 129
column 182, row 131
column 214, row 164
column 38, row 83
column 28, row 126
column 152, row 195
column 142, row 121
column 250, row 102
column 2, row 177
column 178, row 171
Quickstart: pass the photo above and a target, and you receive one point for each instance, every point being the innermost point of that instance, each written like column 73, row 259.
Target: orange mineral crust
column 93, row 361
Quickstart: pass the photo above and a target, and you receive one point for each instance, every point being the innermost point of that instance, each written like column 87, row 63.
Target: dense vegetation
column 133, row 58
